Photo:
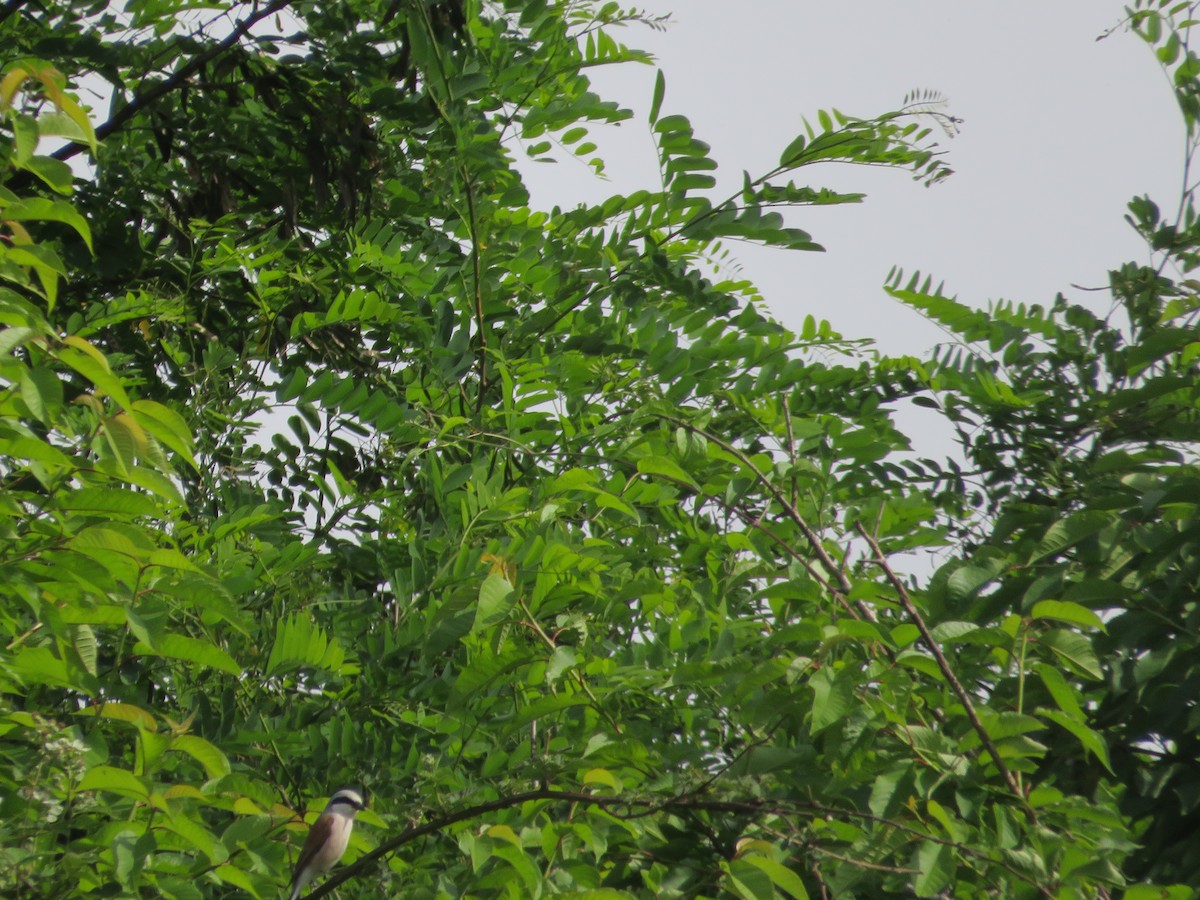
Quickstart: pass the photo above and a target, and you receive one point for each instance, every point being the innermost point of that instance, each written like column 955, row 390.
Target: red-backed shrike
column 326, row 841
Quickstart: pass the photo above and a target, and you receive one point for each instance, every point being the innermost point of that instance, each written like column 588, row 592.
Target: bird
column 327, row 839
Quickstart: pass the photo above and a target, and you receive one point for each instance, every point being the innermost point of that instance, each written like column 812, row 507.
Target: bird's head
column 346, row 801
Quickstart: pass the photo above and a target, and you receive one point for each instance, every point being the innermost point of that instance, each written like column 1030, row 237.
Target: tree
column 1082, row 429
column 328, row 461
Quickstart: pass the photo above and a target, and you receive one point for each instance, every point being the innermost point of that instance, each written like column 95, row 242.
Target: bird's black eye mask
column 348, row 801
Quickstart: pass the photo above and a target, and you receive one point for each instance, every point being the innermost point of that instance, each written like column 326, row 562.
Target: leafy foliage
column 1081, row 428
column 329, row 461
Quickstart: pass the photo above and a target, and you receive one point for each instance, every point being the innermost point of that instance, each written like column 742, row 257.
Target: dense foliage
column 327, row 461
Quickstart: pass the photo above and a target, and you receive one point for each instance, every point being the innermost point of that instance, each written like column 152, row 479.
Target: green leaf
column 510, row 850
column 1091, row 741
column 195, row 835
column 25, row 132
column 13, row 337
column 300, row 643
column 665, row 467
column 1066, row 696
column 236, row 877
column 1066, row 611
column 39, row 665
column 91, row 364
column 612, row 501
column 603, row 777
column 1157, row 892
column 936, row 866
column 1075, row 651
column 190, row 649
column 36, row 450
column 573, row 135
column 748, row 881
column 833, row 697
column 153, row 481
column 209, row 756
column 122, row 712
column 949, row 632
column 110, row 502
column 86, row 647
column 40, row 209
column 114, row 781
column 672, row 124
column 42, row 392
column 78, row 116
column 891, row 790
column 117, row 538
column 1070, row 531
column 497, row 597
column 166, row 425
column 561, row 660
column 781, row 876
column 660, row 89
column 56, row 175
column 792, row 152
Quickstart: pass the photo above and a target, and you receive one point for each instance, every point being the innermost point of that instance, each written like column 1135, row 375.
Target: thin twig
column 838, row 573
column 944, row 665
column 757, row 524
column 794, row 514
column 476, row 267
column 579, row 677
column 863, row 864
column 814, row 869
column 791, row 449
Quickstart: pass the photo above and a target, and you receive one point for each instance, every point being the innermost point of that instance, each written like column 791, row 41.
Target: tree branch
column 645, row 806
column 944, row 665
column 11, row 7
column 836, row 572
column 144, row 97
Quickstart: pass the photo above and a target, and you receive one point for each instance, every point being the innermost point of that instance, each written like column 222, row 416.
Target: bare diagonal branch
column 943, row 664
column 144, row 97
column 11, row 7
column 637, row 807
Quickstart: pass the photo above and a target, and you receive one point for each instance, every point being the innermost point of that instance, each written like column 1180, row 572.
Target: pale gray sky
column 1060, row 131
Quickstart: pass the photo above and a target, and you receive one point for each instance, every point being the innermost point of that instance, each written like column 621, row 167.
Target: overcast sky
column 1059, row 131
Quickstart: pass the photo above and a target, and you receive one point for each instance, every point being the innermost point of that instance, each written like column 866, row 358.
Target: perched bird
column 326, row 841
